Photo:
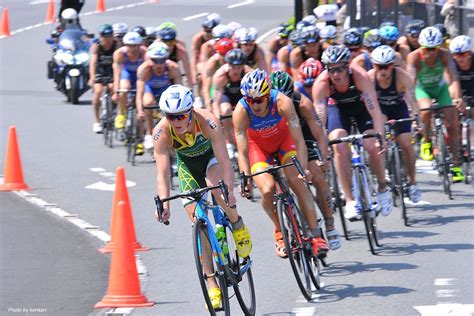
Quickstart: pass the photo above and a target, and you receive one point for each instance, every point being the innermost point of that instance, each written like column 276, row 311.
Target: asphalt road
column 426, row 264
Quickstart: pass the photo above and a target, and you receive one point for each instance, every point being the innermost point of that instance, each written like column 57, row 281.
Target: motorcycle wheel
column 75, row 90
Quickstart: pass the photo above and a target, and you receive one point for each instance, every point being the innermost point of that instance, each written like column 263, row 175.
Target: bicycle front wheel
column 368, row 217
column 210, row 273
column 443, row 162
column 338, row 204
column 293, row 239
column 241, row 268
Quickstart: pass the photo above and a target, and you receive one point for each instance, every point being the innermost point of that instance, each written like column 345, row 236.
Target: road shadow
column 438, row 220
column 338, row 292
column 343, row 268
column 405, row 249
column 407, row 234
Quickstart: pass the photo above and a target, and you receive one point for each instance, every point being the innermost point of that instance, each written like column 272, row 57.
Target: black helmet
column 363, row 30
column 414, row 27
column 106, row 30
column 352, row 37
column 167, row 34
column 235, row 57
column 140, row 30
column 442, row 29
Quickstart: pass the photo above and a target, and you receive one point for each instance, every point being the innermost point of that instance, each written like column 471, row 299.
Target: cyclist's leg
column 226, row 109
column 98, row 87
column 122, row 102
column 323, row 194
column 148, row 100
column 404, row 142
column 451, row 120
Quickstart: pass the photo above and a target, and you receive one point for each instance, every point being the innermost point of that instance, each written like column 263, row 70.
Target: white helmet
column 430, row 37
column 460, row 44
column 221, row 31
column 311, row 19
column 158, row 50
column 253, row 33
column 244, row 35
column 69, row 14
column 326, row 12
column 328, row 32
column 383, row 55
column 132, row 38
column 176, row 99
column 120, row 28
column 212, row 20
column 234, row 26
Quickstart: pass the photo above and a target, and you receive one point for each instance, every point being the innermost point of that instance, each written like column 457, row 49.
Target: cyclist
column 312, row 131
column 260, row 122
column 100, row 69
column 254, row 55
column 196, row 136
column 412, row 31
column 276, row 43
column 352, row 97
column 444, row 32
column 221, row 47
column 461, row 50
column 393, row 86
column 226, row 83
column 426, row 66
column 126, row 61
column 310, row 48
column 328, row 36
column 307, row 74
column 120, row 29
column 169, row 25
column 211, row 21
column 155, row 75
column 283, row 55
column 178, row 52
column 352, row 39
column 390, row 36
column 150, row 36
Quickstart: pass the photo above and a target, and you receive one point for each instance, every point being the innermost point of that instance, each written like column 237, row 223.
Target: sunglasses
column 247, row 43
column 381, row 67
column 170, row 42
column 158, row 61
column 464, row 54
column 431, row 49
column 332, row 70
column 259, row 100
column 413, row 35
column 177, row 117
column 354, row 49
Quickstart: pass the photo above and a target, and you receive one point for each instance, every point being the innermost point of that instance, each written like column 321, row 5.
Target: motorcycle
column 69, row 66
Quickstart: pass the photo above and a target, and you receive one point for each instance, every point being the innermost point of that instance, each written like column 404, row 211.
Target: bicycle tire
column 134, row 140
column 466, row 157
column 110, row 122
column 401, row 184
column 367, row 218
column 198, row 227
column 338, row 205
column 443, row 158
column 294, row 248
column 233, row 267
column 392, row 171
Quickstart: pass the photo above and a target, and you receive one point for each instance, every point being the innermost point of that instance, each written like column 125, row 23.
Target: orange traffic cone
column 124, row 286
column 100, row 6
column 13, row 172
column 121, row 194
column 5, row 30
column 50, row 12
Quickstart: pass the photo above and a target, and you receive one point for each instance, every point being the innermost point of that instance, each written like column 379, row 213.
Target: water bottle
column 355, row 156
column 222, row 239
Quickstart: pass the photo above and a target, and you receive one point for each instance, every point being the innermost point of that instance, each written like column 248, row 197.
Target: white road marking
column 102, row 186
column 425, row 167
column 240, row 4
column 97, row 169
column 408, row 202
column 192, row 17
column 446, row 293
column 30, row 27
column 446, row 309
column 304, row 311
column 89, row 228
column 265, row 35
column 443, row 282
column 107, row 174
column 39, row 2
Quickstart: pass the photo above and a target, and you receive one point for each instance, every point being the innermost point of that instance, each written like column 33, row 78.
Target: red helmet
column 223, row 45
column 309, row 71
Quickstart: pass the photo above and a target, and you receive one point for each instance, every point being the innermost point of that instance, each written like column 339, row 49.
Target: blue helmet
column 389, row 33
column 167, row 34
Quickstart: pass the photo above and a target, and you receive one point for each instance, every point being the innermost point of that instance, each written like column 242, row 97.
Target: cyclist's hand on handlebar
column 247, row 191
column 232, row 200
column 381, row 145
column 308, row 176
column 115, row 97
column 459, row 104
column 140, row 115
column 165, row 215
column 90, row 83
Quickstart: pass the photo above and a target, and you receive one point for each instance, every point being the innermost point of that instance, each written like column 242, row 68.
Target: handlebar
column 195, row 195
column 151, row 107
column 225, row 117
column 437, row 108
column 355, row 137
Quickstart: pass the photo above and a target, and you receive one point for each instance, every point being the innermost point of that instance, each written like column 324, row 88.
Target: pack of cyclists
column 309, row 84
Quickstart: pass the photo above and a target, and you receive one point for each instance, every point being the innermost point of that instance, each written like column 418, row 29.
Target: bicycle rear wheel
column 368, row 217
column 201, row 243
column 293, row 239
column 338, row 204
column 466, row 156
column 241, row 268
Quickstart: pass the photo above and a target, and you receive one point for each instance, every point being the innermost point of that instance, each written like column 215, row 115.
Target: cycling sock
column 238, row 225
column 329, row 222
column 315, row 232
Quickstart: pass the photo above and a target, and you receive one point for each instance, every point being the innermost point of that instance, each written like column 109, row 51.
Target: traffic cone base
column 13, row 172
column 109, row 247
column 124, row 301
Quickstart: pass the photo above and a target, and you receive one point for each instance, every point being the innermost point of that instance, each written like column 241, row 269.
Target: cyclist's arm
column 369, row 97
column 207, row 81
column 411, row 66
column 282, row 57
column 161, row 144
column 272, row 44
column 117, row 67
column 452, row 72
column 195, row 53
column 183, row 56
column 142, row 77
column 240, row 121
column 295, row 61
column 399, row 61
column 286, row 108
column 407, row 88
column 174, row 73
column 309, row 113
column 212, row 128
column 219, row 80
column 320, row 93
column 93, row 61
column 260, row 59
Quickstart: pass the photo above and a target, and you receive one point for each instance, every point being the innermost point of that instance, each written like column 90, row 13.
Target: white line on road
column 39, row 2
column 265, row 35
column 446, row 309
column 443, row 282
column 97, row 169
column 192, row 17
column 240, row 4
